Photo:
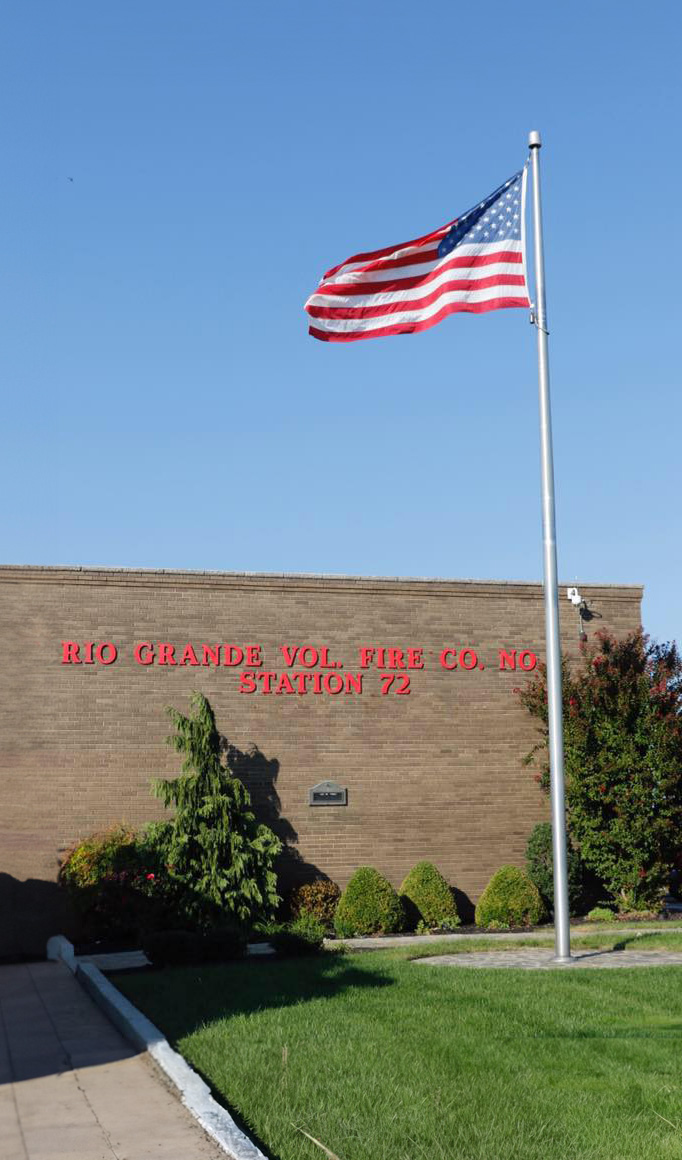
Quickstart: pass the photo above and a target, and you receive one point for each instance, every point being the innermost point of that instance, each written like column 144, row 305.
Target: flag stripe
column 475, row 263
column 374, row 309
column 383, row 291
column 386, row 251
column 413, row 328
column 408, row 317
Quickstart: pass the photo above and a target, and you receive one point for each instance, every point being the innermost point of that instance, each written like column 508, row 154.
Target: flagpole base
column 563, row 960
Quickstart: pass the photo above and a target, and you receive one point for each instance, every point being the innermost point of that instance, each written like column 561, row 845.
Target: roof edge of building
column 124, row 573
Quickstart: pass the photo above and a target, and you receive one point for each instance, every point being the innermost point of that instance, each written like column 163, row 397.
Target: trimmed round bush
column 540, row 867
column 427, row 898
column 368, row 905
column 602, row 914
column 510, row 899
column 317, row 899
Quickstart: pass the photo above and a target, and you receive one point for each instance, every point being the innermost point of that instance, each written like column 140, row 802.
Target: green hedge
column 540, row 867
column 427, row 898
column 368, row 905
column 510, row 899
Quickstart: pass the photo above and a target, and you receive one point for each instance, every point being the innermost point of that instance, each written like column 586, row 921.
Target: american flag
column 474, row 263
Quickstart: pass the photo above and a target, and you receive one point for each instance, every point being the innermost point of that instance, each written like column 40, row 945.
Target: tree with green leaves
column 220, row 859
column 622, row 714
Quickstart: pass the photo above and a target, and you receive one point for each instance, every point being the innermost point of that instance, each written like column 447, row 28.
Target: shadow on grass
column 182, row 999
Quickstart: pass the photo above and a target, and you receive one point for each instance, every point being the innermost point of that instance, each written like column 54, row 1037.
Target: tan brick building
column 427, row 739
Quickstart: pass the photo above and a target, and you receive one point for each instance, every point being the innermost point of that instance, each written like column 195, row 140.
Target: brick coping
column 311, row 580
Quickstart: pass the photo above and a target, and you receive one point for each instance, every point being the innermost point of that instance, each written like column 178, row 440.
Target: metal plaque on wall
column 328, row 793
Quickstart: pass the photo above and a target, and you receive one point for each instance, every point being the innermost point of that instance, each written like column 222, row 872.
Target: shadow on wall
column 259, row 774
column 30, row 912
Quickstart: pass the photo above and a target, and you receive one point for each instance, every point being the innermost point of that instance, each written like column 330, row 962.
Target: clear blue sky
column 175, row 179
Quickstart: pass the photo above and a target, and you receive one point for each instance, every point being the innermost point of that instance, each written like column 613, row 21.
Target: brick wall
column 436, row 773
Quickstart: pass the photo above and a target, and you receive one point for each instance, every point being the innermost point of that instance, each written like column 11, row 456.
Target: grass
column 664, row 940
column 378, row 1058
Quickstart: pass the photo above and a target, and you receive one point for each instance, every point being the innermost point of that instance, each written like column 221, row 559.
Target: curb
column 141, row 1032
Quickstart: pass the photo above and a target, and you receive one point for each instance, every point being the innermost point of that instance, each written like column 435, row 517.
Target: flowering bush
column 318, row 899
column 117, row 881
column 622, row 713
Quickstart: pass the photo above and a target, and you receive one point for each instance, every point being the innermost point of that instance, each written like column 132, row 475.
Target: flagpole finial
column 534, row 140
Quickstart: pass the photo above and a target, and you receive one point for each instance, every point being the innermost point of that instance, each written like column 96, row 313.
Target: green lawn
column 383, row 1059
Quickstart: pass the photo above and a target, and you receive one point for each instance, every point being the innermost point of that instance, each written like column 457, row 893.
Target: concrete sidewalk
column 71, row 1088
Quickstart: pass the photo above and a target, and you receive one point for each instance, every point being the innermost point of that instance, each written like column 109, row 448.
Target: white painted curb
column 194, row 1093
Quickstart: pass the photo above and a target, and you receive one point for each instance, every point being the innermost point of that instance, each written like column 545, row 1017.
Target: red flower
column 150, row 877
column 602, row 789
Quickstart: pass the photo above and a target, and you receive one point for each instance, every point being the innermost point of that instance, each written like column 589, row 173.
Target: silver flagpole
column 562, row 935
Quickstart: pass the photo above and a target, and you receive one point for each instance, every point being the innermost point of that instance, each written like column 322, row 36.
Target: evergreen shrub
column 427, row 899
column 220, row 858
column 319, row 899
column 511, row 899
column 368, row 905
column 540, row 867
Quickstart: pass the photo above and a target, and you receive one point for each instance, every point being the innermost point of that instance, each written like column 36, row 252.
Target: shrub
column 223, row 943
column 540, row 867
column 319, row 899
column 510, row 898
column 116, row 881
column 220, row 858
column 427, row 898
column 622, row 716
column 368, row 905
column 303, row 936
column 173, row 948
column 601, row 914
column 178, row 948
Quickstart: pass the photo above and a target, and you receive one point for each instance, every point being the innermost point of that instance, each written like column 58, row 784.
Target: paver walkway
column 71, row 1088
column 387, row 942
column 541, row 959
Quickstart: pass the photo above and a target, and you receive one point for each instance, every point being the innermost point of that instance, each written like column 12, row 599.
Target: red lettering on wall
column 189, row 657
column 354, row 682
column 333, row 683
column 527, row 660
column 468, row 658
column 415, row 658
column 444, row 662
column 507, row 659
column 167, row 653
column 89, row 658
column 266, row 680
column 144, row 653
column 247, row 682
column 112, row 652
column 232, row 655
column 253, row 658
column 366, row 657
column 289, row 652
column 70, row 653
column 210, row 654
column 284, row 684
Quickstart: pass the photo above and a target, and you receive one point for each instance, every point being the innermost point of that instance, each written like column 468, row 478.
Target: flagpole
column 562, row 936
